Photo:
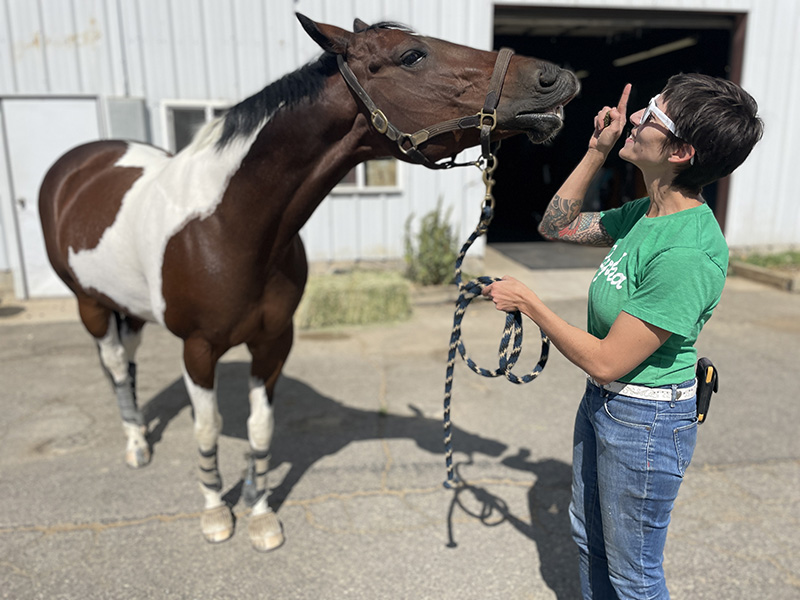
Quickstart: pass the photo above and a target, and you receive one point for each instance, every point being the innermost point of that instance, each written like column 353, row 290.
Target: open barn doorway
column 606, row 49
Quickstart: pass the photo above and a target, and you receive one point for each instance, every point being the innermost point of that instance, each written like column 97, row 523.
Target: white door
column 38, row 131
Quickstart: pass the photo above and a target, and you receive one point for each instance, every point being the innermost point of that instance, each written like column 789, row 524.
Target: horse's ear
column 359, row 26
column 329, row 37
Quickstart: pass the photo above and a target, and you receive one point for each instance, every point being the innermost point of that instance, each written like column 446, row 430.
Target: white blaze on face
column 126, row 265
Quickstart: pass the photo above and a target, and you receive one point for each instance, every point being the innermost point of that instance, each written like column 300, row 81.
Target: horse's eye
column 411, row 58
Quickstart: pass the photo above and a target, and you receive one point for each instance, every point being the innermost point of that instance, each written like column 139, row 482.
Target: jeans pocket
column 685, row 441
column 630, row 412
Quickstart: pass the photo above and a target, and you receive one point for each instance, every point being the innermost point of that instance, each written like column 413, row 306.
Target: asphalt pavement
column 358, row 464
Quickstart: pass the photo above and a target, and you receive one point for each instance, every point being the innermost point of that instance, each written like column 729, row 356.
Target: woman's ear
column 683, row 154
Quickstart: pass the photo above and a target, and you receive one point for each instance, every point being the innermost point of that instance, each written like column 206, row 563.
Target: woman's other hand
column 509, row 294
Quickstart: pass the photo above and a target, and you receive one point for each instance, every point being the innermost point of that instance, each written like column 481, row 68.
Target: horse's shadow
column 310, row 426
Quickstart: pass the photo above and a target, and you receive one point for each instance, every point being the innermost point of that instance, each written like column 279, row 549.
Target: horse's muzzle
column 541, row 115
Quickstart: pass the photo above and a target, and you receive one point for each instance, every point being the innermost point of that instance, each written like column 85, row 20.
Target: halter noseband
column 408, row 143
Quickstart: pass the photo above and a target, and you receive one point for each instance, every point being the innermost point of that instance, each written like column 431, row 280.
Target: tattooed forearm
column 564, row 221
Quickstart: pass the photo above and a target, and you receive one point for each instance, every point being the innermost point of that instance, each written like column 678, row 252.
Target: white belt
column 647, row 393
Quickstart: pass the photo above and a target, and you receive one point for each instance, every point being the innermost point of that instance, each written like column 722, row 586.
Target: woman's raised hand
column 610, row 123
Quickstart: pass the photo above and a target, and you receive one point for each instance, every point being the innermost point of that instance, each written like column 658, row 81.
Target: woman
column 636, row 426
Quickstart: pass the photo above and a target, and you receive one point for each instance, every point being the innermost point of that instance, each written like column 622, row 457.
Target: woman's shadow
column 311, row 426
column 548, row 526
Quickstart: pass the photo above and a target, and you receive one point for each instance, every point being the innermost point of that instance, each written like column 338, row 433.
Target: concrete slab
column 358, row 464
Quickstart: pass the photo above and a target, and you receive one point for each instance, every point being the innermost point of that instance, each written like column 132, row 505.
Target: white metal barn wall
column 224, row 51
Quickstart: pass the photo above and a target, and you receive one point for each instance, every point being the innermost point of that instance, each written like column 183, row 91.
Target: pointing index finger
column 622, row 107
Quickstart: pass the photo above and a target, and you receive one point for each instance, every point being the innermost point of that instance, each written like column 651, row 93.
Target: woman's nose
column 636, row 118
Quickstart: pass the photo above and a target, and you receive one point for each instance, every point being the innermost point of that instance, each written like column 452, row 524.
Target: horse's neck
column 298, row 157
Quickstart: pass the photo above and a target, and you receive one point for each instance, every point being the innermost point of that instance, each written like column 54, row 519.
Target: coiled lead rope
column 511, row 341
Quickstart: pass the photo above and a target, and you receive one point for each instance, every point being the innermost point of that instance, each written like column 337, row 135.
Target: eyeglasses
column 668, row 123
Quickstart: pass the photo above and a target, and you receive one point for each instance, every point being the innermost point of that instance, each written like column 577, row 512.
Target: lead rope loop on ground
column 511, row 341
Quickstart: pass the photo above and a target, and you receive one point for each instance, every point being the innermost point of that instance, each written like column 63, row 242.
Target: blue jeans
column 629, row 458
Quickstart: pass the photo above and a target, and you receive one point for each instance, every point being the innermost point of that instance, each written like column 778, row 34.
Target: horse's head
column 418, row 82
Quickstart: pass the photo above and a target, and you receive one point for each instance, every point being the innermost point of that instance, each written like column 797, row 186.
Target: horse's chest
column 126, row 265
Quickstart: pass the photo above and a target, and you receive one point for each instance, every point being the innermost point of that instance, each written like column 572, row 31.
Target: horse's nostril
column 548, row 74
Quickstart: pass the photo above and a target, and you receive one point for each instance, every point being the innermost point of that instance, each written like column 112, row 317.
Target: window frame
column 209, row 107
column 360, row 187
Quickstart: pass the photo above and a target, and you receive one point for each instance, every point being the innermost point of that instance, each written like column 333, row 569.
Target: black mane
column 244, row 118
column 307, row 82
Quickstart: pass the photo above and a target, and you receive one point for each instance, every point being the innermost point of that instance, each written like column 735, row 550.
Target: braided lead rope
column 510, row 343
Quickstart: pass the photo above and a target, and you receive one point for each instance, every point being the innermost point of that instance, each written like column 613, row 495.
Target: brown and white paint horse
column 206, row 242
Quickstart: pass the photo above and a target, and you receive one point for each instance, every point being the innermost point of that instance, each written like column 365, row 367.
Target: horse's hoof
column 137, row 450
column 265, row 531
column 217, row 523
column 136, row 458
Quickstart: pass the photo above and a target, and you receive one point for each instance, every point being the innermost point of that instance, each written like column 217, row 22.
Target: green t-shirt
column 668, row 271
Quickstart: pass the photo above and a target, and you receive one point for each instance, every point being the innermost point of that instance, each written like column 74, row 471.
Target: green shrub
column 430, row 261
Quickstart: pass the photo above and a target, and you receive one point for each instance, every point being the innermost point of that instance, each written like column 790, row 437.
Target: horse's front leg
column 265, row 529
column 199, row 374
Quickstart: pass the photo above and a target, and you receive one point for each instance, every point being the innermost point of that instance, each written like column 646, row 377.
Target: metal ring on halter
column 492, row 116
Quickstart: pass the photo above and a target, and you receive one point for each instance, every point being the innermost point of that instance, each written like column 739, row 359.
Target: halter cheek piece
column 408, row 143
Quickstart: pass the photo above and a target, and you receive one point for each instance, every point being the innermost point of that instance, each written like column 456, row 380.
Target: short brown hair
column 718, row 118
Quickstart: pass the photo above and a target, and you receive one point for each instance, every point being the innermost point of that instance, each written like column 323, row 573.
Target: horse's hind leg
column 117, row 338
column 265, row 529
column 199, row 374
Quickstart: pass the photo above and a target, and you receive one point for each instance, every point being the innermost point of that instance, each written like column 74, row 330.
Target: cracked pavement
column 357, row 463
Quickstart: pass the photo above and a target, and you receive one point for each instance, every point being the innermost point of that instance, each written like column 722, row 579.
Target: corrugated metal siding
column 56, row 47
column 763, row 207
column 224, row 51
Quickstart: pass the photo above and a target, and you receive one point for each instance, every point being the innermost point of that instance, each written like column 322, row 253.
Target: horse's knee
column 207, row 419
column 112, row 352
column 261, row 422
column 130, row 334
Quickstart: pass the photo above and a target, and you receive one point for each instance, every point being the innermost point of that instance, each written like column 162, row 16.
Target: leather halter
column 408, row 143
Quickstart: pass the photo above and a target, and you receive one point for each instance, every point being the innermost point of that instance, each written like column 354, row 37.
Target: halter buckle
column 379, row 121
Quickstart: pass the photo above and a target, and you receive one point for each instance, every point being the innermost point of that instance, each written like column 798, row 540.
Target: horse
column 206, row 242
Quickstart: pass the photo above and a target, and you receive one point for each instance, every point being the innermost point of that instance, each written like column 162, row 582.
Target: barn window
column 379, row 175
column 183, row 119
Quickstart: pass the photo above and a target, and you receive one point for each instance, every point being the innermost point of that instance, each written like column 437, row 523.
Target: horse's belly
column 109, row 269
